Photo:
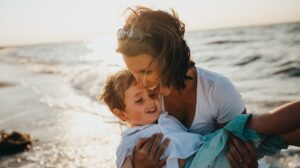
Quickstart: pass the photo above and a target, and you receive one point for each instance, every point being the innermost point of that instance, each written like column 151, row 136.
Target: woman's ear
column 120, row 114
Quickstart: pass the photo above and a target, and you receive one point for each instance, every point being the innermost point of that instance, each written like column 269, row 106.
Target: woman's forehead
column 137, row 63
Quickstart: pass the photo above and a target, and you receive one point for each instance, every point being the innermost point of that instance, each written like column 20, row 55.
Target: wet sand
column 64, row 136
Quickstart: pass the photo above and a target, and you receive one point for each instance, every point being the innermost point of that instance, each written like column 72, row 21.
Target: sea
column 51, row 90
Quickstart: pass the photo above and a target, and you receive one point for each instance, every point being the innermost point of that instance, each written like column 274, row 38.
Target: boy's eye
column 139, row 100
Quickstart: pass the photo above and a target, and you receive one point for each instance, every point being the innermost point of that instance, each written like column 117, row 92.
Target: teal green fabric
column 212, row 153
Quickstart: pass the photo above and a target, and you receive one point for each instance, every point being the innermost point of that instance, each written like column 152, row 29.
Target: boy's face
column 141, row 106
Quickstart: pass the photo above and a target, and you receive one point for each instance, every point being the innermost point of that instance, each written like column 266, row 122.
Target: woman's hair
column 161, row 35
column 113, row 93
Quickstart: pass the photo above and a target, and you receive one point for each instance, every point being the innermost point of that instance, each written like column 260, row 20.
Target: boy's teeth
column 153, row 87
column 153, row 109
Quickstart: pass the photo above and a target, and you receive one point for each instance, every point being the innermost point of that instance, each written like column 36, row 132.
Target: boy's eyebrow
column 137, row 94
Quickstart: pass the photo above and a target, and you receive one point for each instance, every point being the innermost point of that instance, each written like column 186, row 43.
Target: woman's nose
column 150, row 101
column 139, row 80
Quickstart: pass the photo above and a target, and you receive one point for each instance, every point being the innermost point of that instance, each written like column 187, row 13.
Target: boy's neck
column 133, row 125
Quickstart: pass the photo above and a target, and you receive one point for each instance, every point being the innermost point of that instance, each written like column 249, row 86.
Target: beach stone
column 6, row 84
column 14, row 142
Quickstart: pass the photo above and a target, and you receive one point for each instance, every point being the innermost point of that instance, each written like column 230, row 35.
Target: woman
column 153, row 47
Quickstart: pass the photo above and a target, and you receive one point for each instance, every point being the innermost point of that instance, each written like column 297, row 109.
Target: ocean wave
column 89, row 82
column 227, row 42
column 289, row 71
column 248, row 60
column 295, row 29
column 12, row 55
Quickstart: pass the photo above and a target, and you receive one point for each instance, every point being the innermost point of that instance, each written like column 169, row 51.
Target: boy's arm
column 281, row 120
column 127, row 162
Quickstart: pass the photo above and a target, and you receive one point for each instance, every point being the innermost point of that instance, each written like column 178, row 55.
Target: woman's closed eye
column 144, row 72
column 153, row 95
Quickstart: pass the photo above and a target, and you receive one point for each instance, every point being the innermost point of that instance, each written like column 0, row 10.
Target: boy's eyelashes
column 152, row 95
column 139, row 100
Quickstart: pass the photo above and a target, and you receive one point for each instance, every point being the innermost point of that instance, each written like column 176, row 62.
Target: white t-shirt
column 182, row 144
column 218, row 101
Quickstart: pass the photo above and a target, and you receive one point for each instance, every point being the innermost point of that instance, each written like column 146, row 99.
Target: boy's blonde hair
column 114, row 89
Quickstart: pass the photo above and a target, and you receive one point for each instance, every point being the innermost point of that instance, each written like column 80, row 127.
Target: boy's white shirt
column 182, row 144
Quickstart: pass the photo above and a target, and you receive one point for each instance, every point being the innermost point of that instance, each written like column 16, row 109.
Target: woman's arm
column 147, row 152
column 292, row 138
column 281, row 120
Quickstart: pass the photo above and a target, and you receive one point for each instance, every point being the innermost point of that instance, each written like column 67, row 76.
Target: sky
column 46, row 21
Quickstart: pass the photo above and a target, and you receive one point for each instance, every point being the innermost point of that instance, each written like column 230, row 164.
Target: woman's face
column 144, row 69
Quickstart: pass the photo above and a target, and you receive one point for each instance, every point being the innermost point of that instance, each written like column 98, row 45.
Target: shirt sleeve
column 121, row 154
column 227, row 101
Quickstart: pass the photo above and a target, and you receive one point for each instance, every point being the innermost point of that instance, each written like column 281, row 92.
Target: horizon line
column 187, row 31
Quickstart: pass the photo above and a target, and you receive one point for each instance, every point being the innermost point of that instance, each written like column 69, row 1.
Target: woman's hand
column 148, row 151
column 241, row 154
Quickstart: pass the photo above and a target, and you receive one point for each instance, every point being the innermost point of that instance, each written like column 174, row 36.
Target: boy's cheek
column 138, row 115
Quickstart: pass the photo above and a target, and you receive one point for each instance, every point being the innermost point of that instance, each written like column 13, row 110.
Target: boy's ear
column 120, row 114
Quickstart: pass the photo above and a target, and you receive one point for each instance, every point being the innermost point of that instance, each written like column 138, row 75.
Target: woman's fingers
column 251, row 148
column 232, row 161
column 252, row 154
column 248, row 152
column 235, row 157
column 147, row 146
column 141, row 158
column 244, row 155
column 148, row 151
column 161, row 149
column 162, row 162
column 155, row 145
column 141, row 142
column 241, row 153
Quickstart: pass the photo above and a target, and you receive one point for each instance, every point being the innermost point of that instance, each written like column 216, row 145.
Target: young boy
column 141, row 110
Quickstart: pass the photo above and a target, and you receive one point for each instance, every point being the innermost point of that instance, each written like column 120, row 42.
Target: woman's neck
column 182, row 103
